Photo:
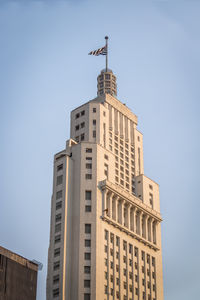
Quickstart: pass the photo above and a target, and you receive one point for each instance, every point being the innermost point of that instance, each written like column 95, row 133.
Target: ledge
column 105, row 184
column 131, row 233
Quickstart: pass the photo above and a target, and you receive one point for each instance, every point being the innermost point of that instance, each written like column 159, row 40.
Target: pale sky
column 45, row 72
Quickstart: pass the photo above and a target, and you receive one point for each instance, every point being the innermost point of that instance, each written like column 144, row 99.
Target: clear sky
column 45, row 72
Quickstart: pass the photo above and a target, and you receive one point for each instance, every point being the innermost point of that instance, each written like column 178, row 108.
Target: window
column 106, row 275
column 111, row 264
column 56, row 266
column 124, row 272
column 86, row 283
column 138, row 138
column 130, row 275
column 106, row 157
column 82, row 113
column 82, row 137
column 87, row 243
column 153, row 261
column 88, row 166
column 94, row 109
column 88, row 195
column 58, row 227
column 88, row 150
column 117, row 268
column 106, row 234
column 88, row 158
column 104, row 113
column 56, row 252
column 124, row 259
column 88, row 176
column 60, row 167
column 111, row 278
column 94, row 133
column 87, row 269
column 58, row 218
column 130, row 288
column 130, row 262
column 125, row 285
column 57, row 239
column 105, row 289
column 58, row 205
column 59, row 194
column 136, row 251
column 106, row 262
column 136, row 266
column 87, row 228
column 59, row 180
column 88, row 208
column 56, row 292
column 55, row 279
column 136, row 291
column 94, row 122
column 77, row 127
column 77, row 116
column 105, row 248
column 117, row 240
column 86, row 296
column 87, row 256
column 82, row 124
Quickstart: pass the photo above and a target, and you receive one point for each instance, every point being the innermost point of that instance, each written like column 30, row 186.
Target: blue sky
column 45, row 72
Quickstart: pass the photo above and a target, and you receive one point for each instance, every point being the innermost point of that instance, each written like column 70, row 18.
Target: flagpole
column 106, row 38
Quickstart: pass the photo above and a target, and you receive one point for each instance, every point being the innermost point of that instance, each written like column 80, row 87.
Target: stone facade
column 105, row 236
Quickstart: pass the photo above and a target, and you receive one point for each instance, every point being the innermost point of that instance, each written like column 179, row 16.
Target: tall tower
column 105, row 236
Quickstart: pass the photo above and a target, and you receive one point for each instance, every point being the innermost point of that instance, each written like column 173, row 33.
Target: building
column 18, row 277
column 105, row 236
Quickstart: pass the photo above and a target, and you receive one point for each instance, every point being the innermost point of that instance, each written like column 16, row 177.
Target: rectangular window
column 86, row 296
column 55, row 279
column 82, row 113
column 56, row 292
column 87, row 243
column 88, row 176
column 56, row 252
column 57, row 239
column 77, row 127
column 88, row 150
column 94, row 133
column 82, row 137
column 94, row 122
column 106, row 235
column 58, row 218
column 58, row 227
column 88, row 195
column 88, row 166
column 82, row 124
column 87, row 269
column 87, row 256
column 94, row 109
column 87, row 228
column 87, row 283
column 88, row 158
column 59, row 180
column 56, row 266
column 59, row 194
column 88, row 208
column 60, row 167
column 106, row 156
column 58, row 205
column 77, row 116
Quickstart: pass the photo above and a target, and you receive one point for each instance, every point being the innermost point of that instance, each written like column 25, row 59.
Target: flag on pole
column 100, row 51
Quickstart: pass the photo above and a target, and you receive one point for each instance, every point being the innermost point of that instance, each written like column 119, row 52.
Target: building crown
column 106, row 83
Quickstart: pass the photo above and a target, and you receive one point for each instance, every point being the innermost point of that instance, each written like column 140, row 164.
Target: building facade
column 105, row 235
column 18, row 276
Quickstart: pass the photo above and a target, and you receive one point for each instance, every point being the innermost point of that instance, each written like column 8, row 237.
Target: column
column 128, row 216
column 149, row 226
column 154, row 223
column 132, row 208
column 104, row 207
column 144, row 227
column 111, row 206
column 108, row 204
column 117, row 208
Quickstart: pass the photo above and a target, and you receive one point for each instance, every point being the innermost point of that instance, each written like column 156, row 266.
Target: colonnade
column 126, row 214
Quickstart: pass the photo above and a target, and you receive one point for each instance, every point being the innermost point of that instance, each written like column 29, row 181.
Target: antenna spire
column 106, row 38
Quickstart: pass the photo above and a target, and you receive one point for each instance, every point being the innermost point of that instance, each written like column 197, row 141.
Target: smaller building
column 18, row 277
